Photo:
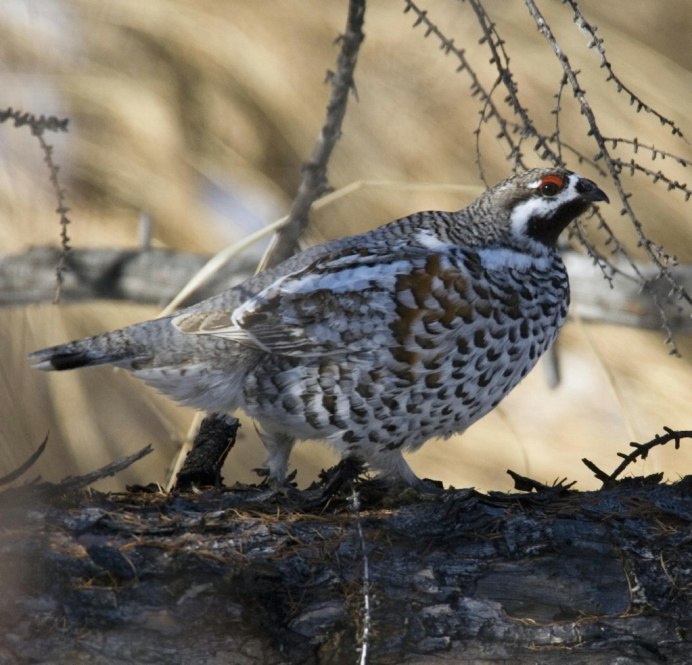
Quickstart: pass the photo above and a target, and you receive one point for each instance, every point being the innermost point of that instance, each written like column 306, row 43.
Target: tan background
column 201, row 112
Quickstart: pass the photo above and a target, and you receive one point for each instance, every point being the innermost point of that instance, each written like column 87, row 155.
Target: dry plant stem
column 216, row 262
column 640, row 450
column 367, row 617
column 212, row 266
column 25, row 466
column 314, row 181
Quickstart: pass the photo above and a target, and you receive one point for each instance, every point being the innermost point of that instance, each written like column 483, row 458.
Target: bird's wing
column 348, row 301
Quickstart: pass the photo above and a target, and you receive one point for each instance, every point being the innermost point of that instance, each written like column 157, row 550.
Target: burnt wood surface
column 245, row 575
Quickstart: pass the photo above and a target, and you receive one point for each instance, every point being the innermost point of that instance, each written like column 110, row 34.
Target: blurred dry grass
column 201, row 112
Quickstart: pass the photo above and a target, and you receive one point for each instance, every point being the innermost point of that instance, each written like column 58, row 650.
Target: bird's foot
column 393, row 490
column 273, row 487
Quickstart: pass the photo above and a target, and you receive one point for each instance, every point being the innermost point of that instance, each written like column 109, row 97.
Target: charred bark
column 243, row 575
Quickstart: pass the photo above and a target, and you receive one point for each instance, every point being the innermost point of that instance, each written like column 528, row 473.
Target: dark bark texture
column 242, row 575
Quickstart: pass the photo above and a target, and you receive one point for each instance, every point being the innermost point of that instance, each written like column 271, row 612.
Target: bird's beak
column 590, row 191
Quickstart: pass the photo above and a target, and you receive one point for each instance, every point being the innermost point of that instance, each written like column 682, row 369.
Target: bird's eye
column 551, row 185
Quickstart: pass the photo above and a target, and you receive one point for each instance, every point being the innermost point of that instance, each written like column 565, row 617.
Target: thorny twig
column 557, row 137
column 314, row 181
column 660, row 259
column 640, row 450
column 597, row 43
column 637, row 145
column 477, row 90
column 525, row 128
column 500, row 59
column 656, row 176
column 38, row 127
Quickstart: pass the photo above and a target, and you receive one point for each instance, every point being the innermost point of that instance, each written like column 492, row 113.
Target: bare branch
column 314, row 180
column 656, row 176
column 78, row 482
column 154, row 276
column 655, row 152
column 500, row 59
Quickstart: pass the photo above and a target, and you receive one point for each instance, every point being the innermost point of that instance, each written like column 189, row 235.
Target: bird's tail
column 118, row 347
column 201, row 371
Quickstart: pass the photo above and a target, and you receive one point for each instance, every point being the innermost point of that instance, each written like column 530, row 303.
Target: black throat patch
column 548, row 229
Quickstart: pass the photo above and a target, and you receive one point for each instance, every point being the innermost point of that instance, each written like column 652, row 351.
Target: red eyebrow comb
column 553, row 179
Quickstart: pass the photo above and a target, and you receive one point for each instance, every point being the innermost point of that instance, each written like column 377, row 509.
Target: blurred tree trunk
column 239, row 576
column 157, row 275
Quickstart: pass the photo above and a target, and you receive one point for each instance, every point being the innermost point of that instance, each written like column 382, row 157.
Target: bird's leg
column 279, row 446
column 396, row 471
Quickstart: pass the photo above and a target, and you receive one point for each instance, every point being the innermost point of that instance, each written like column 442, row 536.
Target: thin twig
column 500, row 59
column 641, row 450
column 656, row 176
column 448, row 46
column 314, row 181
column 637, row 145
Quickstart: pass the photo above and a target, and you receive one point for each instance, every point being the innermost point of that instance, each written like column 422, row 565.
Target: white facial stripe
column 519, row 220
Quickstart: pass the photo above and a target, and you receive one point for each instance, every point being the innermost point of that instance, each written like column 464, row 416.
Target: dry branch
column 314, row 180
column 155, row 276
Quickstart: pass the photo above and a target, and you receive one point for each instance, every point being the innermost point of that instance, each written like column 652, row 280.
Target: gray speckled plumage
column 376, row 342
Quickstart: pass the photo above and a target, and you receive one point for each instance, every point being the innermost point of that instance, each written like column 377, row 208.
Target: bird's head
column 538, row 204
